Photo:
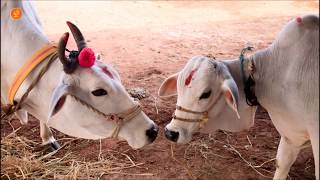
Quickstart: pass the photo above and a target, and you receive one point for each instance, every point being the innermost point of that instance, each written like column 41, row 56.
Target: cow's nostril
column 152, row 133
column 171, row 135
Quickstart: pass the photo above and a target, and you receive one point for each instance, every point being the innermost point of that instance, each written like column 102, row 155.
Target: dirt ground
column 147, row 41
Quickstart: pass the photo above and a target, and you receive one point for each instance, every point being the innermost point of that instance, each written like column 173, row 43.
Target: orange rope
column 25, row 70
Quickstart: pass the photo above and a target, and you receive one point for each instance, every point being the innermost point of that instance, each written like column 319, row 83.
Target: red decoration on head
column 298, row 19
column 86, row 57
column 189, row 78
column 107, row 72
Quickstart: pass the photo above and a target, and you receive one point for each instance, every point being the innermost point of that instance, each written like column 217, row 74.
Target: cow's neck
column 26, row 38
column 265, row 73
column 261, row 59
column 43, row 90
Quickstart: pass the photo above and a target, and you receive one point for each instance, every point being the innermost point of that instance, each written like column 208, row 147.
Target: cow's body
column 286, row 85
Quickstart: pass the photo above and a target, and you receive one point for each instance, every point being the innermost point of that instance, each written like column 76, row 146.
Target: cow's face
column 202, row 85
column 85, row 94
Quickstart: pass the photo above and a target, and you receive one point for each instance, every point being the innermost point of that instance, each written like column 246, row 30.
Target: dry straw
column 21, row 160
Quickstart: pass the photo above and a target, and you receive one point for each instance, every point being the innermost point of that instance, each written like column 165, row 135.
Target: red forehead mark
column 298, row 19
column 107, row 72
column 189, row 78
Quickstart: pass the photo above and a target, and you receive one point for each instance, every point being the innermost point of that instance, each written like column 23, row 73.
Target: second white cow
column 286, row 76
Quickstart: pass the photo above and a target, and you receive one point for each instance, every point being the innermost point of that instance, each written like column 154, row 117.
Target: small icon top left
column 16, row 13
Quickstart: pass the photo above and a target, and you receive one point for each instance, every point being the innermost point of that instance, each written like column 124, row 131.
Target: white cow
column 69, row 98
column 286, row 76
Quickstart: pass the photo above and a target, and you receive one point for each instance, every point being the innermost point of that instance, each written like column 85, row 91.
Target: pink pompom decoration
column 86, row 57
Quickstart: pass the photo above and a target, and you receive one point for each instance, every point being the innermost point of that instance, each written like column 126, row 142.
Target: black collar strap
column 249, row 83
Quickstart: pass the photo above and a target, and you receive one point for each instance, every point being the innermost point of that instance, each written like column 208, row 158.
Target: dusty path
column 147, row 41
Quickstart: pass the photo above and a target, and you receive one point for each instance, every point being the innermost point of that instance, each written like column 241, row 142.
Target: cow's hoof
column 52, row 146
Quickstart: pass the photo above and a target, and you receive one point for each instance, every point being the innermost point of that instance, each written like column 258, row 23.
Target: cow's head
column 90, row 101
column 206, row 91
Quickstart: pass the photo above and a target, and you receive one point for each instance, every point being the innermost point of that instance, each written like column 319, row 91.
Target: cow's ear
column 58, row 99
column 231, row 94
column 169, row 86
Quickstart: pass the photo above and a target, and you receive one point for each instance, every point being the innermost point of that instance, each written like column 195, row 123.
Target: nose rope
column 119, row 118
column 205, row 114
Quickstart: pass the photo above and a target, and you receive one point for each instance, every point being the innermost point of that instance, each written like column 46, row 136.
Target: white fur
column 287, row 85
column 21, row 39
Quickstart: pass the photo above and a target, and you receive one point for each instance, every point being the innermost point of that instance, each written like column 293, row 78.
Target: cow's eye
column 205, row 95
column 99, row 92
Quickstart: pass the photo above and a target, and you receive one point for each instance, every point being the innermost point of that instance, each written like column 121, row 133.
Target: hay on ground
column 21, row 160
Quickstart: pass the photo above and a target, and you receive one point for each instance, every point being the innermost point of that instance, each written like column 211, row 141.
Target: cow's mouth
column 59, row 104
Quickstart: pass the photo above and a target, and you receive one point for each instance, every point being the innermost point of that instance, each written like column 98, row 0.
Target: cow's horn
column 81, row 43
column 69, row 65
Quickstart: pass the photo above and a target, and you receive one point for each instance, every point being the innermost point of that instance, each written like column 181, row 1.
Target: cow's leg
column 286, row 155
column 22, row 115
column 47, row 137
column 314, row 137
